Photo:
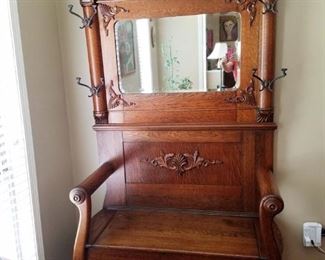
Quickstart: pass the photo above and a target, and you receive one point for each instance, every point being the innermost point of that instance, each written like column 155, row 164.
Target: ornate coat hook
column 93, row 90
column 268, row 84
column 269, row 7
column 86, row 21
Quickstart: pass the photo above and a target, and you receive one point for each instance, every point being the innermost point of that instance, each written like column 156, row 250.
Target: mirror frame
column 252, row 102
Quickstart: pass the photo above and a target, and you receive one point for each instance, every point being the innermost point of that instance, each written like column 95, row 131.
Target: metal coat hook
column 86, row 21
column 93, row 90
column 269, row 7
column 268, row 84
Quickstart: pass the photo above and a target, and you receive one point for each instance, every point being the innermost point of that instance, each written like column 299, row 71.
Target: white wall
column 79, row 106
column 40, row 42
column 300, row 98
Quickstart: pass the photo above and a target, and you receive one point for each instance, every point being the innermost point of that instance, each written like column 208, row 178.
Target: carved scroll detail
column 249, row 6
column 117, row 99
column 181, row 163
column 264, row 115
column 78, row 196
column 109, row 13
column 245, row 96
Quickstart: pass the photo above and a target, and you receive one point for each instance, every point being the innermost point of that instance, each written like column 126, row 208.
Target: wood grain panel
column 181, row 116
column 182, row 136
column 139, row 170
column 99, row 223
column 177, row 101
column 110, row 147
column 186, row 127
column 248, row 171
column 99, row 253
column 185, row 196
column 246, row 115
column 188, row 233
column 161, row 8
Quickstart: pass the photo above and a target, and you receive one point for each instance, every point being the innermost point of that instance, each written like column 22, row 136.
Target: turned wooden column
column 95, row 64
column 267, row 57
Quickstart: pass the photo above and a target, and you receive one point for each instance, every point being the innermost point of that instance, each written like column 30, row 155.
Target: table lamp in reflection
column 219, row 51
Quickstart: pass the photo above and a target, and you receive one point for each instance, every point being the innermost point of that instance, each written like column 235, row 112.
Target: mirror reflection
column 179, row 54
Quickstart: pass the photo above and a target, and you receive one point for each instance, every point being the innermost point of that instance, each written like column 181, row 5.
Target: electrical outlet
column 312, row 231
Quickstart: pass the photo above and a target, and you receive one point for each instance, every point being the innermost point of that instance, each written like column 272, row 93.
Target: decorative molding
column 101, row 117
column 272, row 205
column 86, row 21
column 78, row 196
column 264, row 115
column 249, row 6
column 94, row 90
column 109, row 13
column 245, row 96
column 268, row 84
column 117, row 99
column 181, row 163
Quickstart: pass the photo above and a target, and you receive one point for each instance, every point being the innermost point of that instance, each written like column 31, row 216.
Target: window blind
column 17, row 229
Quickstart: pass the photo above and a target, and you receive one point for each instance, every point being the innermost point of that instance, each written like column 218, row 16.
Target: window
column 17, row 222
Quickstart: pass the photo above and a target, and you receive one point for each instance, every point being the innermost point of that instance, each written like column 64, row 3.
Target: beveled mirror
column 179, row 54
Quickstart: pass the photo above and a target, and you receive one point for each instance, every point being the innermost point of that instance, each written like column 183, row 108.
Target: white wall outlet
column 312, row 231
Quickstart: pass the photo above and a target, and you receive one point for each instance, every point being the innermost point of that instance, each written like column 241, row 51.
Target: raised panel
column 182, row 136
column 209, row 197
column 223, row 163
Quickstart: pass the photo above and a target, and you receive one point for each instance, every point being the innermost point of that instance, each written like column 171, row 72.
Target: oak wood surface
column 170, row 232
column 271, row 204
column 81, row 197
column 224, row 198
column 183, row 126
column 96, row 67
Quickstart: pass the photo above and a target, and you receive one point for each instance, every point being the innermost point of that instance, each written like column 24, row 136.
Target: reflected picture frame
column 125, row 46
column 228, row 31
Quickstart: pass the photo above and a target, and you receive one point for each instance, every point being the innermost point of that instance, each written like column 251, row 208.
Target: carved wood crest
column 250, row 7
column 109, row 13
column 181, row 163
column 116, row 100
column 244, row 96
column 264, row 116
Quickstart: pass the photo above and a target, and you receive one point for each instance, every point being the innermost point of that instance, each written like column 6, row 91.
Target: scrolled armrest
column 270, row 199
column 270, row 204
column 81, row 197
column 85, row 189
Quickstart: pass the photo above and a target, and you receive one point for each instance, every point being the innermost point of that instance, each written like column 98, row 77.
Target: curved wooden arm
column 270, row 205
column 81, row 197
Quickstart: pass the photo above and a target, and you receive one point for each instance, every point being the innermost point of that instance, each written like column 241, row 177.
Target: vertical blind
column 17, row 229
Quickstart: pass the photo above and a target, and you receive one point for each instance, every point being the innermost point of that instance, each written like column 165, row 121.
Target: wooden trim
column 100, row 111
column 81, row 197
column 266, row 64
column 175, row 127
column 271, row 204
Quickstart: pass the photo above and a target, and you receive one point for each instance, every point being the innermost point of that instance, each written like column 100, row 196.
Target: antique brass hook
column 86, row 21
column 94, row 90
column 268, row 84
column 269, row 6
